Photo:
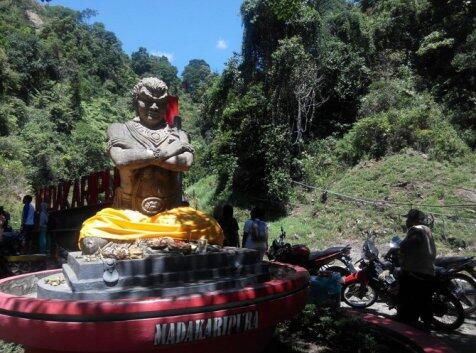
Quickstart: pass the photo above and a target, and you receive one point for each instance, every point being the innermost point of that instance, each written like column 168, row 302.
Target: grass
column 407, row 177
column 10, row 348
column 201, row 193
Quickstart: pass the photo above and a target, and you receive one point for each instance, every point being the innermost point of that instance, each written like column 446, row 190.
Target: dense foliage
column 329, row 81
column 369, row 78
column 62, row 82
column 63, row 79
column 195, row 76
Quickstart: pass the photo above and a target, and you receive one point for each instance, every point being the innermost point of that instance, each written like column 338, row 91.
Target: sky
column 179, row 29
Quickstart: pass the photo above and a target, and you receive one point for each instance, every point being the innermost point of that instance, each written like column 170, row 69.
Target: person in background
column 43, row 227
column 28, row 221
column 417, row 260
column 7, row 235
column 2, row 222
column 217, row 211
column 255, row 232
column 6, row 226
column 230, row 227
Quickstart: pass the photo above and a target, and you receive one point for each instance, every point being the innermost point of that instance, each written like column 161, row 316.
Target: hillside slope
column 408, row 178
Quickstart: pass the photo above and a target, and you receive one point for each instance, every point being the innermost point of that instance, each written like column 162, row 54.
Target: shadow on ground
column 462, row 340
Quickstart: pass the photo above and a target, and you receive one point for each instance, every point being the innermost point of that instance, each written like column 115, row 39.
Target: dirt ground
column 462, row 340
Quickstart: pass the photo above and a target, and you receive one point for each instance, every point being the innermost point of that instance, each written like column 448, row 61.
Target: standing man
column 255, row 232
column 43, row 225
column 417, row 259
column 28, row 221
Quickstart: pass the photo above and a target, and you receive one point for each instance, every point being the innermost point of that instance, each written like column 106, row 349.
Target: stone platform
column 165, row 275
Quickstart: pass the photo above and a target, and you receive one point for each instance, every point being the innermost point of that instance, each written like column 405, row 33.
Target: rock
column 159, row 243
column 121, row 253
column 91, row 245
column 34, row 19
column 181, row 246
column 467, row 194
column 55, row 281
column 135, row 252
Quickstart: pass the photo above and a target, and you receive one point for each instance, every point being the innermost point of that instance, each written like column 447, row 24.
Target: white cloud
column 222, row 44
column 169, row 56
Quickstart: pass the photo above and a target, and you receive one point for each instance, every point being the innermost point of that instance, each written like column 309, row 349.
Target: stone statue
column 146, row 215
column 149, row 153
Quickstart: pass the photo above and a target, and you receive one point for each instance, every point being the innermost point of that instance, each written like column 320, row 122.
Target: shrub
column 421, row 127
column 319, row 163
column 329, row 330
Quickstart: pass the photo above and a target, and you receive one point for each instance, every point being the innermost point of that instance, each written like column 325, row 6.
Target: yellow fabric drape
column 182, row 223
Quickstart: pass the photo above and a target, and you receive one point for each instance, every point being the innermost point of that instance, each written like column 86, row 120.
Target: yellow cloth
column 182, row 223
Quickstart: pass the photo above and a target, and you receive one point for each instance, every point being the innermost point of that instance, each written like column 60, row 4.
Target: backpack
column 256, row 235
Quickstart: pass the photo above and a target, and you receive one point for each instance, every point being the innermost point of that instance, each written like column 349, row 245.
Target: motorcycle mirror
column 283, row 233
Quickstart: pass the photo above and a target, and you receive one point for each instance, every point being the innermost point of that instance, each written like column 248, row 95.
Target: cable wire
column 379, row 202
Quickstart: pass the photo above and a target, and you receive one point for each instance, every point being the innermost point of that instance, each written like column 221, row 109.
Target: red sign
column 96, row 188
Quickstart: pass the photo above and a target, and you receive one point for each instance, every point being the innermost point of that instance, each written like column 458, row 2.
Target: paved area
column 462, row 340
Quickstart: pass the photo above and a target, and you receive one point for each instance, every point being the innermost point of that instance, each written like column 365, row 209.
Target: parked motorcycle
column 313, row 261
column 11, row 243
column 12, row 262
column 461, row 267
column 379, row 279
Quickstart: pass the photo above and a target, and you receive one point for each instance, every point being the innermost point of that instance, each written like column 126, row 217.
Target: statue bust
column 149, row 153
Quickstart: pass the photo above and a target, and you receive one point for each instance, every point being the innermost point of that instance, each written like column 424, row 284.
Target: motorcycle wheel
column 465, row 290
column 358, row 295
column 447, row 312
column 19, row 268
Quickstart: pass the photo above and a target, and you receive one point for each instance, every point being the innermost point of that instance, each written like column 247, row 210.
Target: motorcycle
column 12, row 262
column 313, row 261
column 379, row 279
column 461, row 267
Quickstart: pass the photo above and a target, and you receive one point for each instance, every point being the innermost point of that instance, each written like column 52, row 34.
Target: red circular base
column 253, row 342
column 238, row 320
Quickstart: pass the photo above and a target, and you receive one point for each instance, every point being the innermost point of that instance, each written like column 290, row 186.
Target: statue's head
column 150, row 101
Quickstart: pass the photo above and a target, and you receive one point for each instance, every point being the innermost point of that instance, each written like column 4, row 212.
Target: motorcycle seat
column 329, row 251
column 447, row 260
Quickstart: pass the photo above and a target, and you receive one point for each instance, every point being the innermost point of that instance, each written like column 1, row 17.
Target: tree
column 195, row 74
column 145, row 64
column 141, row 62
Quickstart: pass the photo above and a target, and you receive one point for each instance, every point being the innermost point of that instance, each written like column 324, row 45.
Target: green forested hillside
column 364, row 79
column 402, row 179
column 324, row 92
column 62, row 81
column 328, row 92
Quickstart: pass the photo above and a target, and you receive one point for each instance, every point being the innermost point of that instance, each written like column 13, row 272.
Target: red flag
column 172, row 109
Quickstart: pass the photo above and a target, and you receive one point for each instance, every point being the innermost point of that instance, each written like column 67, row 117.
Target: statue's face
column 152, row 109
